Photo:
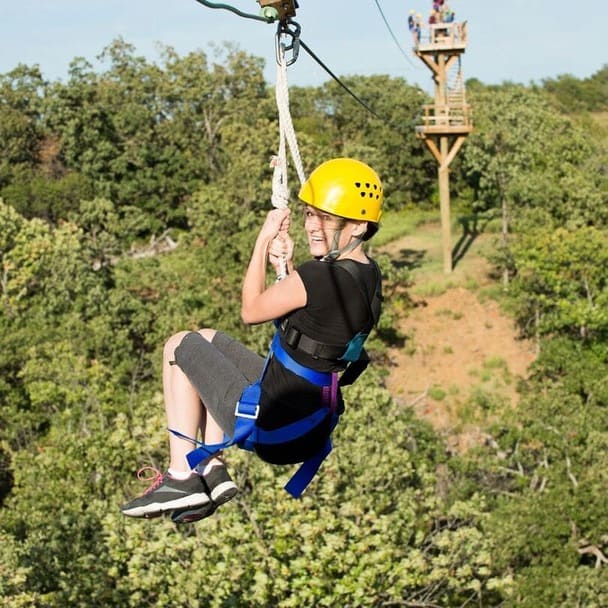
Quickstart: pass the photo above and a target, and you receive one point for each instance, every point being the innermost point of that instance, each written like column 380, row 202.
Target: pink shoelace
column 154, row 478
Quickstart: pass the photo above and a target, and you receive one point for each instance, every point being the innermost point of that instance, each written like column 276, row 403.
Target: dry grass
column 601, row 118
column 422, row 251
column 460, row 364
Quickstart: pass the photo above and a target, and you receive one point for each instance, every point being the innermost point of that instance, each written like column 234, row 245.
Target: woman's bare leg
column 183, row 407
column 211, row 430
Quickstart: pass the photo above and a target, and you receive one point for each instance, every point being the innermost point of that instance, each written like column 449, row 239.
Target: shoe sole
column 189, row 516
column 156, row 509
column 223, row 492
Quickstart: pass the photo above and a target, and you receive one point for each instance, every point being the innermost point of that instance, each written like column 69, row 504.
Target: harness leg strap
column 308, row 469
column 246, row 413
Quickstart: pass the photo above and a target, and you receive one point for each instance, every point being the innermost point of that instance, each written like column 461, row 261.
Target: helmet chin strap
column 335, row 253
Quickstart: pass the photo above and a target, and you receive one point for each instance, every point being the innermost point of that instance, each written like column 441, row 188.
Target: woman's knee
column 172, row 343
column 182, row 344
column 207, row 333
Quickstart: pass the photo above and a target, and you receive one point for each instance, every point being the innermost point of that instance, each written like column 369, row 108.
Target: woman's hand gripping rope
column 278, row 254
column 280, row 250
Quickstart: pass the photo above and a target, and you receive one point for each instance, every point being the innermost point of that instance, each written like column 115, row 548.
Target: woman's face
column 321, row 227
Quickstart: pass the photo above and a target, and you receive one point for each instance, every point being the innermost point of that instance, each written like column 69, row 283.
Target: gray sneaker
column 221, row 489
column 167, row 494
column 220, row 485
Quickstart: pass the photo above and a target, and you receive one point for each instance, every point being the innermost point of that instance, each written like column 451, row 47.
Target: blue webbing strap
column 308, row 469
column 285, row 433
column 313, row 376
column 246, row 413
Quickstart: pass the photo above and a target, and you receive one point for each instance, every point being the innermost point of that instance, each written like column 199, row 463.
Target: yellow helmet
column 344, row 187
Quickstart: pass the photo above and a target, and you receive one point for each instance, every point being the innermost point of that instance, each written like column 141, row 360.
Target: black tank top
column 337, row 308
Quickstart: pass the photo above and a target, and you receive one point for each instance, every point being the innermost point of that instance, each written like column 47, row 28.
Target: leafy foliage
column 526, row 154
column 130, row 201
column 574, row 95
column 561, row 281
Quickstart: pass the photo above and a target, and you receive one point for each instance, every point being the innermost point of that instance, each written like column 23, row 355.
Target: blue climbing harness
column 247, row 434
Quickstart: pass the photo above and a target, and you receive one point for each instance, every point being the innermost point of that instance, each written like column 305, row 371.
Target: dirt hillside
column 462, row 356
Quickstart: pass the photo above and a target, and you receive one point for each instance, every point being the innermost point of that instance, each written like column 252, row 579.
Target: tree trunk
column 505, row 235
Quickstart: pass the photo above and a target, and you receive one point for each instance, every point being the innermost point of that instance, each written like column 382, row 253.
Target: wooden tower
column 446, row 122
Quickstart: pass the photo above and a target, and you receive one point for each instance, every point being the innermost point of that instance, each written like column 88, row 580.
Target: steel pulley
column 278, row 10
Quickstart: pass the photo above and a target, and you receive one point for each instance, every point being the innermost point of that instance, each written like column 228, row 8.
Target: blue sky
column 513, row 40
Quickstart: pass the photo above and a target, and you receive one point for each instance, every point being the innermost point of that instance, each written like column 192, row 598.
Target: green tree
column 531, row 164
column 21, row 92
column 575, row 95
column 385, row 140
column 182, row 149
column 561, row 285
column 33, row 194
column 547, row 479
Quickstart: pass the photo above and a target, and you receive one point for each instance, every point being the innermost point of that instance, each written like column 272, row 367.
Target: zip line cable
column 383, row 119
column 393, row 36
column 228, row 7
column 234, row 10
column 322, row 65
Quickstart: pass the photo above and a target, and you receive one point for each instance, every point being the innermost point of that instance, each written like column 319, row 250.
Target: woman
column 323, row 310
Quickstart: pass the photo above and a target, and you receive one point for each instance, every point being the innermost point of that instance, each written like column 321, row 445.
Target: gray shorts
column 219, row 370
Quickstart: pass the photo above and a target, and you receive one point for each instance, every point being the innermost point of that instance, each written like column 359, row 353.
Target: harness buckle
column 244, row 413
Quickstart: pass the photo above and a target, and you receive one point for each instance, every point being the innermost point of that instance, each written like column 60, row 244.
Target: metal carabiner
column 291, row 30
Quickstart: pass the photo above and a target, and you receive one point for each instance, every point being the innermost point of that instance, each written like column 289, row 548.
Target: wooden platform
column 443, row 37
column 424, row 131
column 445, row 120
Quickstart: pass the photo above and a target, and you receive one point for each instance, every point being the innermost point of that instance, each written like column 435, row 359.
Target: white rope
column 287, row 137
